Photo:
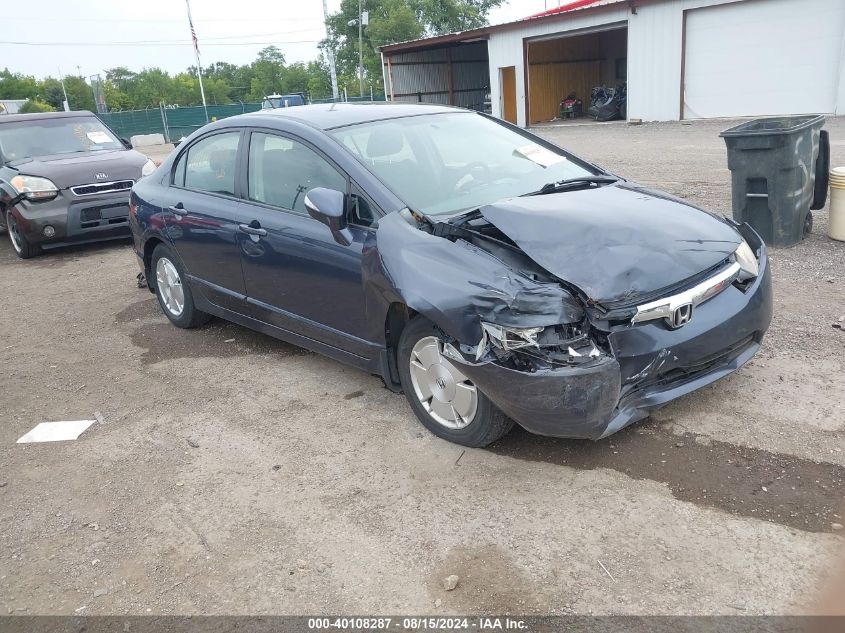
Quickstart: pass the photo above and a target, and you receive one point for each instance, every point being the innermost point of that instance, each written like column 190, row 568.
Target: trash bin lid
column 775, row 125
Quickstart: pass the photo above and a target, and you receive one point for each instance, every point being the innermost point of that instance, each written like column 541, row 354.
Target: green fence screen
column 175, row 123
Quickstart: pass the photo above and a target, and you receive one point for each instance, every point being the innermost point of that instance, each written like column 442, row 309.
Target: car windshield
column 447, row 163
column 46, row 137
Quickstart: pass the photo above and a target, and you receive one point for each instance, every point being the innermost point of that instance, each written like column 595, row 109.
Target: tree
column 267, row 73
column 448, row 16
column 50, row 91
column 238, row 78
column 33, row 105
column 295, row 78
column 150, row 87
column 79, row 94
column 115, row 98
column 319, row 80
column 17, row 86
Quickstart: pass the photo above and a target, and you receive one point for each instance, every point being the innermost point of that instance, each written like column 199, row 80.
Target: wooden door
column 508, row 89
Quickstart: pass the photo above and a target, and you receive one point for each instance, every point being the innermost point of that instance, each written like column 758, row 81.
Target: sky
column 85, row 37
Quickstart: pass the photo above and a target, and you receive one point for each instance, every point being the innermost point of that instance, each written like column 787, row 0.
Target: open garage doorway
column 561, row 65
column 457, row 73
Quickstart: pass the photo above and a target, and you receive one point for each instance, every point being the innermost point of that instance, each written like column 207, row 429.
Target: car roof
column 327, row 116
column 37, row 116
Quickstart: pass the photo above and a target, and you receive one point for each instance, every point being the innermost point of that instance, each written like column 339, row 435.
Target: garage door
column 760, row 57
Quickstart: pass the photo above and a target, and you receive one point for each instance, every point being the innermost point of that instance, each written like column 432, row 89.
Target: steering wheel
column 480, row 174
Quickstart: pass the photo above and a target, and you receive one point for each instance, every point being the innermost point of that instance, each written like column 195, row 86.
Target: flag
column 193, row 31
column 197, row 52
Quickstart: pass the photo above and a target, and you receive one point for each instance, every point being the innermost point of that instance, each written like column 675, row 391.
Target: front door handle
column 178, row 209
column 252, row 230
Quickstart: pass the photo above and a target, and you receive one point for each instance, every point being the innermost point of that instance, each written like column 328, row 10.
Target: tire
column 459, row 413
column 822, row 172
column 173, row 295
column 23, row 248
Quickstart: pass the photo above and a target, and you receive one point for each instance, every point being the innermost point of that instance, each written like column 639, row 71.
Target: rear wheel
column 174, row 295
column 440, row 394
column 23, row 248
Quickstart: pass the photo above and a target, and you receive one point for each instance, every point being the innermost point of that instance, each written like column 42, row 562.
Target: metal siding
column 429, row 72
column 655, row 42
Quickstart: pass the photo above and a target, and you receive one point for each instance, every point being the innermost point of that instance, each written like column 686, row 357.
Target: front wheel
column 23, row 248
column 174, row 295
column 442, row 397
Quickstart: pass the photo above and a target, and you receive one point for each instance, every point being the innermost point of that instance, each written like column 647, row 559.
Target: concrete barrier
column 146, row 140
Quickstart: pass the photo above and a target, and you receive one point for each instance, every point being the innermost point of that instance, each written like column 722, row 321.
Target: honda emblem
column 681, row 316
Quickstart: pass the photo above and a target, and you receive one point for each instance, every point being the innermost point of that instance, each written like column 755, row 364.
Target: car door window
column 282, row 171
column 209, row 164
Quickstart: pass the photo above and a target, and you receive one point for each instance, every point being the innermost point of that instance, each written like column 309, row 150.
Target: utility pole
column 64, row 92
column 330, row 54
column 361, row 47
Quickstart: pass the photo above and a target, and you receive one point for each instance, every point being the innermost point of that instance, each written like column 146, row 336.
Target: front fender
column 457, row 285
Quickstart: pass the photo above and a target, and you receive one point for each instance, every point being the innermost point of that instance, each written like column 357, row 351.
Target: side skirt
column 375, row 365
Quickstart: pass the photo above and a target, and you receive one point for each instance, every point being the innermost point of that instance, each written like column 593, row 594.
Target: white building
column 681, row 59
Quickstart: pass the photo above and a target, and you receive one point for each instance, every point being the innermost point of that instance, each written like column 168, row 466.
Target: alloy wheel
column 14, row 232
column 445, row 393
column 170, row 287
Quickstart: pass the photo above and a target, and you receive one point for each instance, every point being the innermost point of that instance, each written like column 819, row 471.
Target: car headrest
column 222, row 161
column 385, row 140
column 274, row 158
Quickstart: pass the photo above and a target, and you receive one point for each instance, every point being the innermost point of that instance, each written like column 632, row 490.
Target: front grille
column 102, row 187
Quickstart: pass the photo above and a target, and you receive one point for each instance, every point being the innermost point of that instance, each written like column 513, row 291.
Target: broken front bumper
column 651, row 365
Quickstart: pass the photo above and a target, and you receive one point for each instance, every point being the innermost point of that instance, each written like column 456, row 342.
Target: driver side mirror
column 329, row 207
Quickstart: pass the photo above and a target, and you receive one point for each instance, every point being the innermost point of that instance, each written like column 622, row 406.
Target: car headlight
column 511, row 338
column 34, row 187
column 148, row 168
column 747, row 260
column 574, row 345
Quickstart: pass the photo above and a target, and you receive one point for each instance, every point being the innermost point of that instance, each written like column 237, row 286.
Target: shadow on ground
column 162, row 341
column 743, row 481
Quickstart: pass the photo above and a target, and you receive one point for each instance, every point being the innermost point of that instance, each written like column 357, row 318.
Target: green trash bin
column 773, row 174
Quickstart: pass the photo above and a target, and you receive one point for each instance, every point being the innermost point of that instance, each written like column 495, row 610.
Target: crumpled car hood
column 615, row 243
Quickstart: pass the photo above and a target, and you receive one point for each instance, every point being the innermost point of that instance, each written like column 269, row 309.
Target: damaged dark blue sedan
column 490, row 275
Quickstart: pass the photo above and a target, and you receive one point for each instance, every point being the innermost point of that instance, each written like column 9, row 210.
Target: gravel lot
column 235, row 474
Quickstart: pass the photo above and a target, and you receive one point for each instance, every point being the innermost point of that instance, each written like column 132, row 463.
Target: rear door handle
column 178, row 209
column 252, row 230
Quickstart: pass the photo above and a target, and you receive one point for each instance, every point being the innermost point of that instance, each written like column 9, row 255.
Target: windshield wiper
column 573, row 183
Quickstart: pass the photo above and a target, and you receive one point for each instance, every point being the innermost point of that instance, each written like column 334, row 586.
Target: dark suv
column 64, row 178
